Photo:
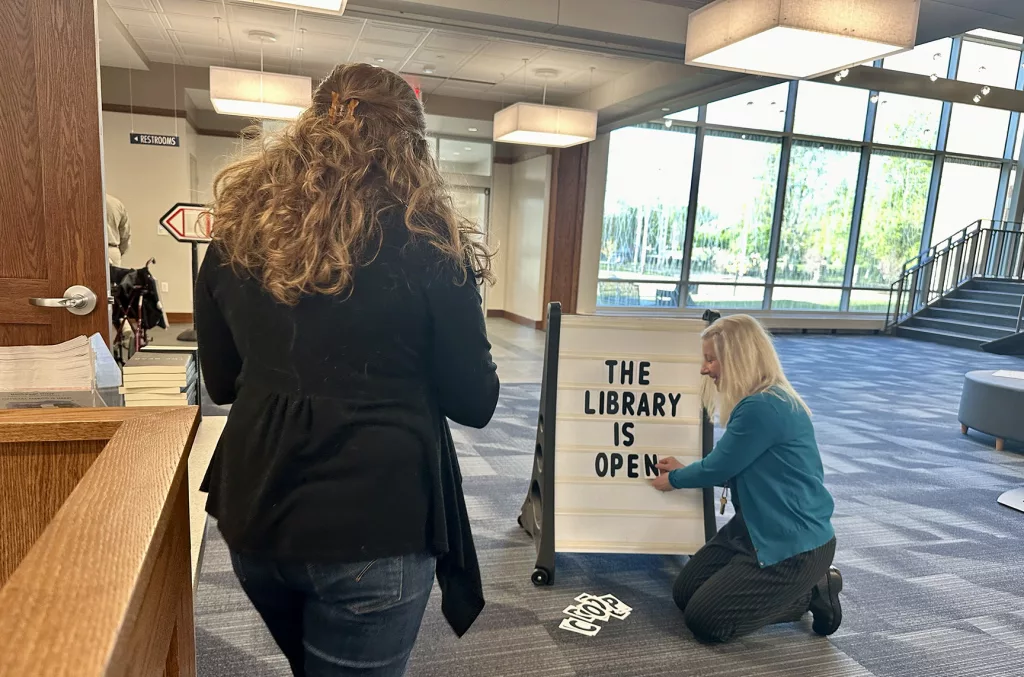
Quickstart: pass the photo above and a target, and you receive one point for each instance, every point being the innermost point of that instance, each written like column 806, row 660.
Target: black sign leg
column 190, row 334
column 538, row 514
column 707, row 446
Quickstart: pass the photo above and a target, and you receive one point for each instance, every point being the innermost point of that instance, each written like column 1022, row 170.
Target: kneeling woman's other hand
column 665, row 466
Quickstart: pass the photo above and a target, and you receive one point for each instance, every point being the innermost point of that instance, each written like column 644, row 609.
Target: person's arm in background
column 218, row 355
column 753, row 427
column 463, row 372
column 124, row 229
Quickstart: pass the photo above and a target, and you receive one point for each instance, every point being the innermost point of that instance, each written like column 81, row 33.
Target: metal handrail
column 959, row 235
column 974, row 252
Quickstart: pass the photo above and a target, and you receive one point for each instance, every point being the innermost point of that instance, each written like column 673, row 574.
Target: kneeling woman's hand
column 665, row 466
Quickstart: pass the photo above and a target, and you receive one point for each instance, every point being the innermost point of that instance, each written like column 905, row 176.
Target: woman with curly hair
column 338, row 311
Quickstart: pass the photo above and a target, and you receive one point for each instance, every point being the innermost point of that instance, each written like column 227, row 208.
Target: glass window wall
column 818, row 212
column 895, row 201
column 852, row 212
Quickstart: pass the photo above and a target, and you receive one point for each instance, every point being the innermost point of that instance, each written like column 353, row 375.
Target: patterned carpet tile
column 931, row 562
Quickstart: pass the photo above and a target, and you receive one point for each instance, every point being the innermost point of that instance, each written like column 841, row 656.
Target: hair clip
column 334, row 107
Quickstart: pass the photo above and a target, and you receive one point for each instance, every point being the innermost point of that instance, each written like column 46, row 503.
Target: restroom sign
column 139, row 138
column 628, row 394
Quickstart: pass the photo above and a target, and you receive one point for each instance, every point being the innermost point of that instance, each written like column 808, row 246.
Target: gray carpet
column 932, row 564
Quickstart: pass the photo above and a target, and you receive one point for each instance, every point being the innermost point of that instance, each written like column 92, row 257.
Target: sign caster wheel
column 540, row 577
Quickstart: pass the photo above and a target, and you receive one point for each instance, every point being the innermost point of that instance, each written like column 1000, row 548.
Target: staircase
column 976, row 313
column 965, row 291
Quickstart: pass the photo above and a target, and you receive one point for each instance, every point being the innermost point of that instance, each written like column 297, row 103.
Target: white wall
column 498, row 235
column 593, row 225
column 149, row 180
column 213, row 153
column 527, row 237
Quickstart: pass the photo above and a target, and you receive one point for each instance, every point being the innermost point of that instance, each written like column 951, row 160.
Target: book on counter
column 158, row 379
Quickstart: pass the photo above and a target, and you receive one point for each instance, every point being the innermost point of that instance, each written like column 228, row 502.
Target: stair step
column 996, row 285
column 938, row 336
column 975, row 329
column 1007, row 322
column 1004, row 309
column 988, row 296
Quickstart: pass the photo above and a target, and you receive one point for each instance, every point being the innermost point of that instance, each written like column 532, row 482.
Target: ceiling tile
column 441, row 69
column 453, row 42
column 371, row 48
column 452, row 59
column 132, row 4
column 252, row 49
column 334, row 46
column 146, row 32
column 266, row 18
column 131, row 17
column 156, row 45
column 330, row 25
column 386, row 64
column 187, row 38
column 489, row 69
column 513, row 50
column 195, row 24
column 203, row 8
column 398, row 35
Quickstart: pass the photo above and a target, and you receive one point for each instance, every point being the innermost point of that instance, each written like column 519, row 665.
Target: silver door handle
column 78, row 300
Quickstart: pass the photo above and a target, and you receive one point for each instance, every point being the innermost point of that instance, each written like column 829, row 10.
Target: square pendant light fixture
column 535, row 124
column 799, row 38
column 256, row 94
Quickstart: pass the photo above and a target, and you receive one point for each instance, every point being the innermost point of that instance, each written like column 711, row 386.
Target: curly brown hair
column 301, row 213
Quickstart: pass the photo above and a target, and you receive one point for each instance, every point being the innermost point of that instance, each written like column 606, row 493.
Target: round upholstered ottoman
column 993, row 405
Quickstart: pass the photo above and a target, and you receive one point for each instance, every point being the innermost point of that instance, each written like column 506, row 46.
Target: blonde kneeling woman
column 772, row 562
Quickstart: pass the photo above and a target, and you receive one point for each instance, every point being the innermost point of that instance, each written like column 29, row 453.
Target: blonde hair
column 301, row 213
column 748, row 365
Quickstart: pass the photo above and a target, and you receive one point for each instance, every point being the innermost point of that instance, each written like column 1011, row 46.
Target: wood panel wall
column 565, row 226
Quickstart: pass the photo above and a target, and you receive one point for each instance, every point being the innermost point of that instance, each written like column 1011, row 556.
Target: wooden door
column 52, row 233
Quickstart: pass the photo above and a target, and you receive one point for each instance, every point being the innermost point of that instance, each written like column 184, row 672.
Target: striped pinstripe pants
column 724, row 593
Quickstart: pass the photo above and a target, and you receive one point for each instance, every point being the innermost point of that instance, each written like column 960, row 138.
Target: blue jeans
column 341, row 619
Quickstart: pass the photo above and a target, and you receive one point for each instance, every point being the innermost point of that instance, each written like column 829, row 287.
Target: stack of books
column 62, row 375
column 153, row 379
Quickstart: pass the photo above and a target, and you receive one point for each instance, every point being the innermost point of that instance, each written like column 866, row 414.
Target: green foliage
column 648, row 240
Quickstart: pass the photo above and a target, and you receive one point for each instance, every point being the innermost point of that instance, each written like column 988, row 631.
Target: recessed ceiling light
column 429, row 69
column 467, row 148
column 473, row 129
column 379, row 60
column 665, row 110
column 456, row 153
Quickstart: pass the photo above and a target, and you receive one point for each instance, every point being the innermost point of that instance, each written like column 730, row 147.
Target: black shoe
column 828, row 612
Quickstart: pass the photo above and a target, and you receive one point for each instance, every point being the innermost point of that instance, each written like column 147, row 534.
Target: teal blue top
column 771, row 461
